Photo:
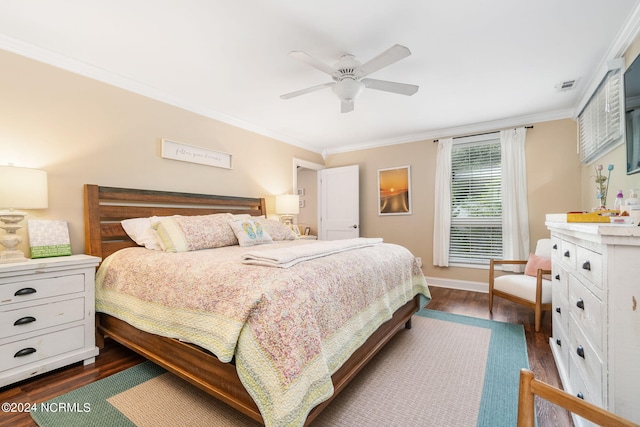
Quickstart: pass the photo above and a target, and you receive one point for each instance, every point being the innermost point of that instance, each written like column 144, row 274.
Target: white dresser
column 47, row 317
column 596, row 313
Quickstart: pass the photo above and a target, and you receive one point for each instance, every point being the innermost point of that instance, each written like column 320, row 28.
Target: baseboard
column 458, row 284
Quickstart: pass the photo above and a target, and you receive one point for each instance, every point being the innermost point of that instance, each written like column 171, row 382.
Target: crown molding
column 459, row 130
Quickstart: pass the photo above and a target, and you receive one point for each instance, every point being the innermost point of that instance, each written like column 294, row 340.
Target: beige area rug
column 431, row 375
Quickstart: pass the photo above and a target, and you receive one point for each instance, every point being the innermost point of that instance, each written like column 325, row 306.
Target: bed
column 220, row 374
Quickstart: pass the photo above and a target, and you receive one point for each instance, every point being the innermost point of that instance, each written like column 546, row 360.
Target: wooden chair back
column 531, row 387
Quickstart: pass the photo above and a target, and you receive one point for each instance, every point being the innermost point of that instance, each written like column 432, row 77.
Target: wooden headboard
column 105, row 207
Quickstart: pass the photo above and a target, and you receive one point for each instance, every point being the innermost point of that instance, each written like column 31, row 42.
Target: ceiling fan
column 349, row 76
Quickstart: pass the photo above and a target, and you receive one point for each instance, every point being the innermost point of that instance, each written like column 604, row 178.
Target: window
column 600, row 122
column 476, row 202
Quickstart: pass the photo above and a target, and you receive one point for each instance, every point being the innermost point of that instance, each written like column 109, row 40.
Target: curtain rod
column 484, row 133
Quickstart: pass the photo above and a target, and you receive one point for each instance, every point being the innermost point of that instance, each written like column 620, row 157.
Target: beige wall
column 553, row 179
column 83, row 131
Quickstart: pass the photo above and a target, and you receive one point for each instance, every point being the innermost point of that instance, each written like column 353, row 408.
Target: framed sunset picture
column 394, row 191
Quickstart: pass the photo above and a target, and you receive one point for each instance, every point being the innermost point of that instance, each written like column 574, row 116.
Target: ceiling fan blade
column 401, row 88
column 346, row 106
column 315, row 63
column 307, row 90
column 388, row 57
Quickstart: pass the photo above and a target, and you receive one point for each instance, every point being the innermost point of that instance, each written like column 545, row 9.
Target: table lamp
column 20, row 188
column 287, row 205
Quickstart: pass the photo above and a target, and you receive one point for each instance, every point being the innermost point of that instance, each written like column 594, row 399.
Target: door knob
column 354, row 226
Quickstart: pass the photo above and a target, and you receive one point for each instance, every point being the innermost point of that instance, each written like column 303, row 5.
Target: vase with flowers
column 602, row 185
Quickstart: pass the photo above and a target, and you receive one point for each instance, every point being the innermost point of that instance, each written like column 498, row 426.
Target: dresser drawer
column 587, row 310
column 580, row 389
column 560, row 342
column 560, row 280
column 589, row 266
column 587, row 361
column 568, row 255
column 34, row 289
column 36, row 317
column 38, row 348
column 556, row 247
column 559, row 311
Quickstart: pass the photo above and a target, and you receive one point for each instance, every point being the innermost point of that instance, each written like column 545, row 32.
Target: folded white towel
column 290, row 256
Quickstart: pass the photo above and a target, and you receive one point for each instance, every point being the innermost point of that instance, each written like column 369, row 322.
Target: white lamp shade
column 287, row 204
column 23, row 188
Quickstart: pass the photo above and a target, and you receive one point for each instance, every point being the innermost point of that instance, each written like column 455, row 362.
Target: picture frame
column 394, row 191
column 307, row 231
column 49, row 238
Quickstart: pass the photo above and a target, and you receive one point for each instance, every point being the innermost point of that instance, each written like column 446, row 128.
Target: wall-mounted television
column 632, row 115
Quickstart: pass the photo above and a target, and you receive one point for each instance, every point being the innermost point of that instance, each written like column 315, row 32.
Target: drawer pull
column 586, row 266
column 580, row 396
column 24, row 291
column 567, row 254
column 580, row 303
column 580, row 351
column 557, row 277
column 24, row 320
column 25, row 352
column 558, row 310
column 559, row 342
column 555, row 246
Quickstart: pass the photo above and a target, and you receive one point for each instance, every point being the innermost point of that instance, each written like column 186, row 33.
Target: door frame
column 308, row 165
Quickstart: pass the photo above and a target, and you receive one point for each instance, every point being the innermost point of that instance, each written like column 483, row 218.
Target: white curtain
column 515, row 216
column 442, row 204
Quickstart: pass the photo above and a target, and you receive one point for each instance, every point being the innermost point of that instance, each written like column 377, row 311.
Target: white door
column 339, row 203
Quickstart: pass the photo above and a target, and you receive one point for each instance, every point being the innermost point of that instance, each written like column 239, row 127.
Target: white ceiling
column 480, row 65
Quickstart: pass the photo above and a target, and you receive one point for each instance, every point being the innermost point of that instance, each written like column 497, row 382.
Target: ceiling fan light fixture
column 348, row 89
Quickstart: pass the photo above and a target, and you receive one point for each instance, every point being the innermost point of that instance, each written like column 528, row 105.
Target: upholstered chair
column 531, row 289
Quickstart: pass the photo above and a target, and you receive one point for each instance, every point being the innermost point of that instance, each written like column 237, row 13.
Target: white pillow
column 141, row 232
column 250, row 232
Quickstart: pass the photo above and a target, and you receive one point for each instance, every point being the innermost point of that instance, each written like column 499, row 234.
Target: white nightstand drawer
column 38, row 348
column 34, row 289
column 33, row 318
column 587, row 310
column 559, row 311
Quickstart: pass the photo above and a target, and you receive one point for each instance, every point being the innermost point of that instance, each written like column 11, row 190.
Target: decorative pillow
column 277, row 230
column 536, row 262
column 191, row 233
column 141, row 231
column 250, row 232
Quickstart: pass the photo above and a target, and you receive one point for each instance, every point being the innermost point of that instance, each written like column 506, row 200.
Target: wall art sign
column 394, row 191
column 190, row 153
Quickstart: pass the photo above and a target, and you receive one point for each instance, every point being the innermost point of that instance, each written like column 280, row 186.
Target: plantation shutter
column 476, row 206
column 600, row 122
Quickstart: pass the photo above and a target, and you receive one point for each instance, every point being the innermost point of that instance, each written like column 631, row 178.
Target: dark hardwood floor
column 114, row 358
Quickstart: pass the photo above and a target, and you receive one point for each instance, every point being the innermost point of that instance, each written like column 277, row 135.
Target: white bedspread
column 290, row 256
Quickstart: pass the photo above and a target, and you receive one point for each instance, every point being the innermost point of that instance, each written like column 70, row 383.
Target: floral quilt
column 289, row 329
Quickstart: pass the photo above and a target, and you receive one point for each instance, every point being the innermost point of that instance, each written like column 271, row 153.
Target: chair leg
column 490, row 301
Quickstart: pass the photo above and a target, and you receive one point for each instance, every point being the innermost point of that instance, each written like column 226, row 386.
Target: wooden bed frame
column 105, row 207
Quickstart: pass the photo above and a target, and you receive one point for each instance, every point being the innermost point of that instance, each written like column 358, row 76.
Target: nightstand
column 307, row 237
column 47, row 317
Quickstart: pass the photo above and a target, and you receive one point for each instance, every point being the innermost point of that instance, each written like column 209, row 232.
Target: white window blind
column 600, row 122
column 476, row 205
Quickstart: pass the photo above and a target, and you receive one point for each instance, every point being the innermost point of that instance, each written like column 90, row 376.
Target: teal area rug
column 447, row 370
